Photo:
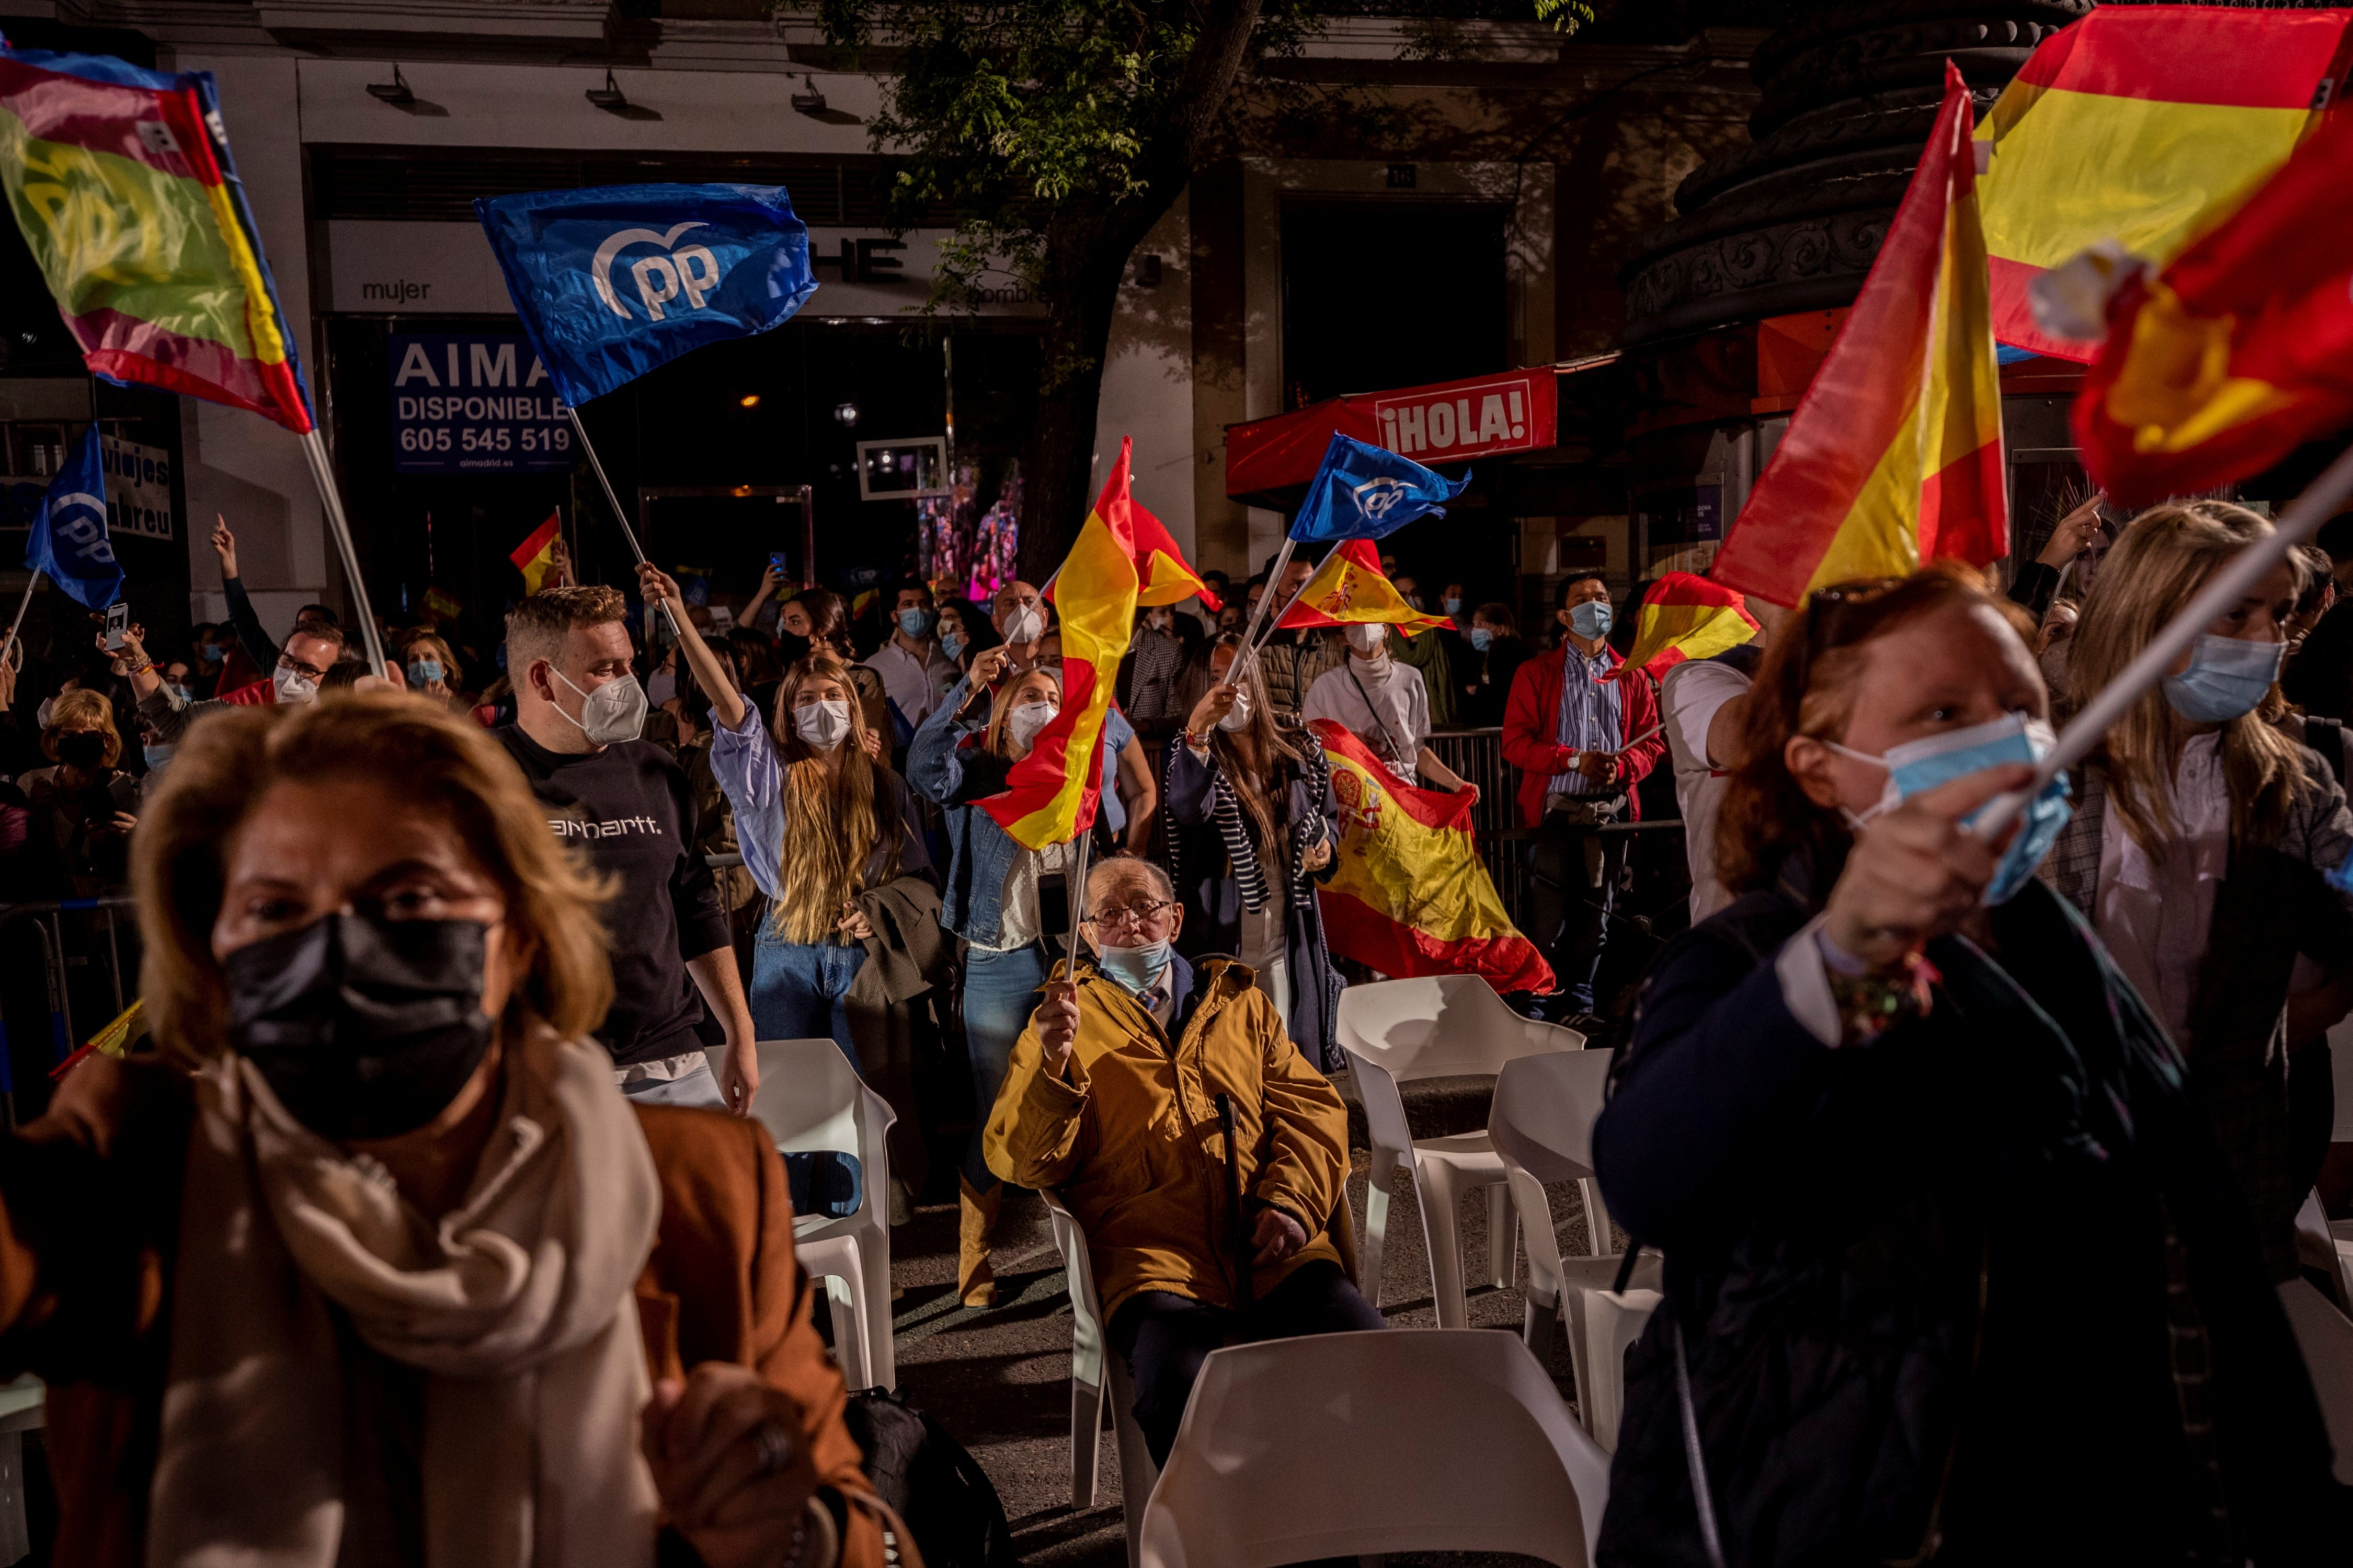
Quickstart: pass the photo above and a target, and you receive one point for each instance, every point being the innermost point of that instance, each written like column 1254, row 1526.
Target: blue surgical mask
column 424, row 671
column 210, row 653
column 1591, row 619
column 952, row 645
column 1452, row 604
column 186, row 694
column 157, row 753
column 1917, row 767
column 1481, row 638
column 2226, row 678
column 916, row 623
column 1136, row 968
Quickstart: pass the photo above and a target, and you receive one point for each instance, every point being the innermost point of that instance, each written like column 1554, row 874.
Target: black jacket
column 1928, row 1286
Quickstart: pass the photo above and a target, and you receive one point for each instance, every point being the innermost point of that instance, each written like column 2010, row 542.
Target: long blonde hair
column 832, row 821
column 994, row 740
column 2163, row 557
column 228, row 762
column 1255, row 763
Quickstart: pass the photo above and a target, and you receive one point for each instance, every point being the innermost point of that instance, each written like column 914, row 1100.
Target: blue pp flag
column 70, row 539
column 613, row 281
column 1364, row 492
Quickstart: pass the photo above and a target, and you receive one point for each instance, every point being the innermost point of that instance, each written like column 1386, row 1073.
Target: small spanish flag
column 1349, row 587
column 1893, row 457
column 1122, row 558
column 2141, row 124
column 1408, row 894
column 536, row 556
column 1686, row 617
column 2241, row 350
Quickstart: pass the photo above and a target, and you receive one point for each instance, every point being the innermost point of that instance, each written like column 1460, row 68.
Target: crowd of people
column 1973, row 1166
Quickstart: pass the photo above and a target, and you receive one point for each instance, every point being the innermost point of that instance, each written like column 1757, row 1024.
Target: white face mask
column 615, row 712
column 822, row 723
column 1238, row 716
column 1024, row 722
column 662, row 686
column 1025, row 624
column 1366, row 637
column 292, row 687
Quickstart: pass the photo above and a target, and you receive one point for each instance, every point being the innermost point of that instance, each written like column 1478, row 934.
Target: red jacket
column 259, row 694
column 1531, row 718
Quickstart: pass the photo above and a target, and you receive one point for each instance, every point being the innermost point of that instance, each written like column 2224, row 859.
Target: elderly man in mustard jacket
column 1112, row 1098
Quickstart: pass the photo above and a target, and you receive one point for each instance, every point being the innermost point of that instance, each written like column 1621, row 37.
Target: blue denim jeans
column 799, row 990
column 1000, row 992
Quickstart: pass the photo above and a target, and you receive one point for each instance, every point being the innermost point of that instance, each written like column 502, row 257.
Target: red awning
column 1450, row 422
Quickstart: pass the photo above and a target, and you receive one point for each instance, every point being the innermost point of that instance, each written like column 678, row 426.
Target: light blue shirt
column 746, row 764
column 1589, row 716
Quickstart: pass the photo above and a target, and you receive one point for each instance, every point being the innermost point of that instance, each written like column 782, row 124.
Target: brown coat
column 90, row 1217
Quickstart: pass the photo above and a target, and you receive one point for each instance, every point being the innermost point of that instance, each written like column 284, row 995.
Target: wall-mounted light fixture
column 845, row 414
column 749, row 400
column 394, row 93
column 609, row 97
column 812, row 103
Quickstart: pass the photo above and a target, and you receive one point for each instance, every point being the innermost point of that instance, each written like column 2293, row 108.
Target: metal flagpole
column 1079, row 846
column 323, row 474
column 9, row 643
column 1249, row 632
column 2301, row 521
column 596, row 464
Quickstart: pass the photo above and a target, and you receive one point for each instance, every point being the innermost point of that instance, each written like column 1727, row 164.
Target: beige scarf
column 520, row 1307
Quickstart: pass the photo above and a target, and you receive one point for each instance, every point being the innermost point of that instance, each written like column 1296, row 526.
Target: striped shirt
column 1589, row 715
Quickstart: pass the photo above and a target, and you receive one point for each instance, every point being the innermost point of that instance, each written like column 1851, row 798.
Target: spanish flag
column 1349, row 587
column 1123, row 558
column 1408, row 894
column 1894, row 455
column 536, row 556
column 1686, row 617
column 2142, row 124
column 2242, row 350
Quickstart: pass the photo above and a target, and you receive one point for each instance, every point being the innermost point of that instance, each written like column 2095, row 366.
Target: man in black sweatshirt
column 626, row 805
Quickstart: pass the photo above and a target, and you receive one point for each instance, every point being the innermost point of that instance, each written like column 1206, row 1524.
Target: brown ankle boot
column 976, row 1286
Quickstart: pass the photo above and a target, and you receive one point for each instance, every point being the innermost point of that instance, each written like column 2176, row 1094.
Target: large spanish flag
column 1408, row 894
column 1348, row 587
column 1893, row 457
column 2142, row 124
column 2240, row 350
column 1686, row 617
column 1123, row 558
column 121, row 181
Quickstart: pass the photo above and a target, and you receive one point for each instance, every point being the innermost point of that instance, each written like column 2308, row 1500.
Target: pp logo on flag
column 1375, row 498
column 77, row 525
column 692, row 272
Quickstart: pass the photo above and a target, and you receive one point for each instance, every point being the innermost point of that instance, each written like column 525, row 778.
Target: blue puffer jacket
column 1923, row 1283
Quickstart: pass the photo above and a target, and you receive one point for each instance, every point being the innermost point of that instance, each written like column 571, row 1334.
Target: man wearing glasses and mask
column 1116, row 1097
column 302, row 664
column 625, row 804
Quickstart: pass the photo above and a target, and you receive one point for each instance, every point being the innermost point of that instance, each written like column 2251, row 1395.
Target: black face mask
column 791, row 650
column 83, row 749
column 363, row 1028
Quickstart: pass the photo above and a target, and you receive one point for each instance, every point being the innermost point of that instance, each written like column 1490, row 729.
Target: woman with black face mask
column 87, row 804
column 368, row 1260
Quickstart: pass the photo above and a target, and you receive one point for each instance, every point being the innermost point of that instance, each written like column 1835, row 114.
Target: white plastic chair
column 2325, row 1337
column 1446, row 1026
column 1612, row 1324
column 811, row 1098
column 1097, row 1377
column 1542, row 1126
column 23, row 1405
column 1349, row 1445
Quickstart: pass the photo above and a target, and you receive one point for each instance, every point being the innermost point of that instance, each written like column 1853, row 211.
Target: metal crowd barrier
column 59, row 964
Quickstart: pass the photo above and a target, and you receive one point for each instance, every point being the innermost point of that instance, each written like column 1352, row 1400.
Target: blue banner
column 69, row 540
column 471, row 402
column 614, row 281
column 1364, row 492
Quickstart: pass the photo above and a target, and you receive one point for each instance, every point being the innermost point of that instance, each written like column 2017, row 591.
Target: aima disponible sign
column 471, row 403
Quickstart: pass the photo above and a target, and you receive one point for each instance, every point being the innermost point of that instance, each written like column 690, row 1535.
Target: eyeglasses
column 1137, row 915
column 287, row 662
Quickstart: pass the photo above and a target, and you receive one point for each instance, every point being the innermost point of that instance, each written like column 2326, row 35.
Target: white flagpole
column 323, row 474
column 598, row 465
column 9, row 643
column 2301, row 521
column 1249, row 632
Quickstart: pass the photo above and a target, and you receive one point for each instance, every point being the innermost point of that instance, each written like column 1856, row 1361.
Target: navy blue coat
column 1923, row 1284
